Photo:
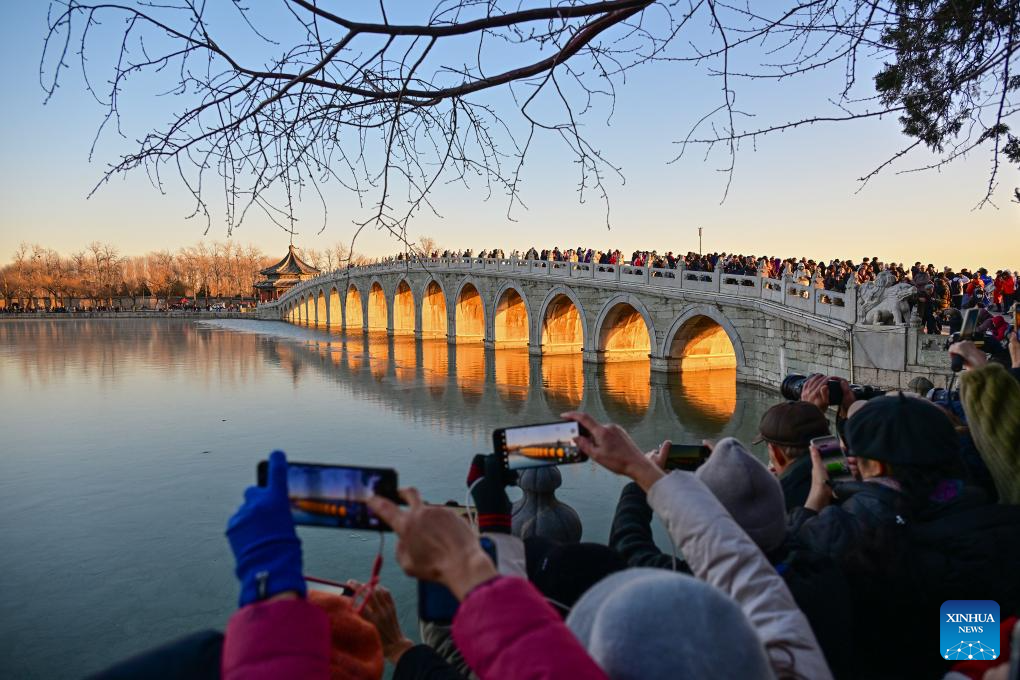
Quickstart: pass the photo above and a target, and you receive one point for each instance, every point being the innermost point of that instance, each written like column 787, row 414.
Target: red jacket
column 277, row 639
column 506, row 631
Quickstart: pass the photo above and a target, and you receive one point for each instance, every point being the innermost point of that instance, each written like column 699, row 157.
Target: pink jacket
column 506, row 631
column 277, row 639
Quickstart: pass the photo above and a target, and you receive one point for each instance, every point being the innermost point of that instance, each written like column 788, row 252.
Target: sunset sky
column 794, row 194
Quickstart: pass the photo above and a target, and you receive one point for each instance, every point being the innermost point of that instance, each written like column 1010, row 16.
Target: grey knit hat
column 644, row 624
column 748, row 491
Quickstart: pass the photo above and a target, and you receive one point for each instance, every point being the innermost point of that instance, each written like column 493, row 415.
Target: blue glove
column 262, row 536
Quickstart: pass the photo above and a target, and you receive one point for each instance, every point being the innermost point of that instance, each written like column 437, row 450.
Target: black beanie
column 902, row 430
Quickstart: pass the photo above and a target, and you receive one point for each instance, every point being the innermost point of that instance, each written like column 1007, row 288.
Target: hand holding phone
column 833, row 459
column 435, row 544
column 335, row 495
column 687, row 457
column 436, row 603
column 539, row 445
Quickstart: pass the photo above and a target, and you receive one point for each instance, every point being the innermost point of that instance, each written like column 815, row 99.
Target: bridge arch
column 334, row 311
column 701, row 339
column 562, row 326
column 511, row 317
column 434, row 321
column 469, row 312
column 624, row 330
column 355, row 315
column 302, row 310
column 378, row 314
column 403, row 309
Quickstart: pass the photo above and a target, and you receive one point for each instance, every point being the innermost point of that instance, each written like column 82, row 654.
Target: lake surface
column 128, row 444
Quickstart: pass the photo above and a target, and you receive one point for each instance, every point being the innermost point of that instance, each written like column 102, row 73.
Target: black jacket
column 631, row 533
column 796, row 482
column 902, row 566
column 421, row 662
column 862, row 510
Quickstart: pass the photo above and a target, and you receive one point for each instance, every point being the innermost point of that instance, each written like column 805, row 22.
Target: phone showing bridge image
column 539, row 445
column 334, row 496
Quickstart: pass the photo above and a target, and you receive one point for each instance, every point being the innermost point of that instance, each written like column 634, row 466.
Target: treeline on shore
column 100, row 276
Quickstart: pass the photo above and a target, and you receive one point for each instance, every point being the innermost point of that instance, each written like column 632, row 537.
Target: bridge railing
column 787, row 292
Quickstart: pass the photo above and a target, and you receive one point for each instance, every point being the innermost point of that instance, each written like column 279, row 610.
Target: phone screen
column 539, row 445
column 436, row 604
column 833, row 459
column 970, row 322
column 335, row 495
column 328, row 586
column 687, row 456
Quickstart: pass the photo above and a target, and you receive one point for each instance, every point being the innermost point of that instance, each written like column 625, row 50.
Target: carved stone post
column 539, row 513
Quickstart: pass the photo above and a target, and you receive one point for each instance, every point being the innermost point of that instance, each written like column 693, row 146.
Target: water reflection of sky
column 129, row 443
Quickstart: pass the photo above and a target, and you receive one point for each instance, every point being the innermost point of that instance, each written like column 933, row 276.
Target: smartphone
column 833, row 459
column 539, row 445
column 687, row 456
column 436, row 604
column 970, row 322
column 327, row 586
column 335, row 495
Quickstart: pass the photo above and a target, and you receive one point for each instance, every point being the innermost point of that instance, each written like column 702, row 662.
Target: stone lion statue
column 883, row 301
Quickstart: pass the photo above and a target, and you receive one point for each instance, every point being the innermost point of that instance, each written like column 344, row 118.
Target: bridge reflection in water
column 467, row 387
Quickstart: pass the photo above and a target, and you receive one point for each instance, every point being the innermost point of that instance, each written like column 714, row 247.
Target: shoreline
column 172, row 314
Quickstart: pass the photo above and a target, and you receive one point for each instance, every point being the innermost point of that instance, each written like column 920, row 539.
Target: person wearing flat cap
column 905, row 451
column 787, row 429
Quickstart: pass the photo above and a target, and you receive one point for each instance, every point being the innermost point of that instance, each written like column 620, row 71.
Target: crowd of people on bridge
column 776, row 571
column 941, row 293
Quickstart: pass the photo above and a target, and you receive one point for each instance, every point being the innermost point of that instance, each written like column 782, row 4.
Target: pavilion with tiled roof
column 283, row 275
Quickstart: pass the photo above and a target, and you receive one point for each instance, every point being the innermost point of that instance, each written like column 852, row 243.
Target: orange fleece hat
column 356, row 648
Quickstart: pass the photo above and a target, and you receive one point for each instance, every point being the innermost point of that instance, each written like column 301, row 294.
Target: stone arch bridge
column 679, row 320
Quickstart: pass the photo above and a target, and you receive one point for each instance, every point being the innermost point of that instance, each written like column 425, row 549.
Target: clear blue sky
column 792, row 194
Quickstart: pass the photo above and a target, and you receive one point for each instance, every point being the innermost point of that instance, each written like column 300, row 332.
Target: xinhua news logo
column 969, row 629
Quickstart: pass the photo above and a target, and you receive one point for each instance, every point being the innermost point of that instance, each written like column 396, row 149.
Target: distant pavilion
column 283, row 275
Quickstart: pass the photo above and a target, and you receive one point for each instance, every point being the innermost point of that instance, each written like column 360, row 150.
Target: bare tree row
column 100, row 274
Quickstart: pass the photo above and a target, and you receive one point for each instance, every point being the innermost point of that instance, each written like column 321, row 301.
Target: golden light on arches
column 563, row 381
column 433, row 312
column 512, row 374
column 626, row 390
column 435, row 365
column 377, row 320
column 403, row 310
column 624, row 335
column 355, row 315
column 405, row 359
column 354, row 351
column 470, row 315
column 562, row 330
column 378, row 355
column 704, row 401
column 702, row 344
column 334, row 308
column 511, row 320
column 470, row 370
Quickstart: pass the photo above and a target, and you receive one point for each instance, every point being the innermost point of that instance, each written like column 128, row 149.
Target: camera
column 793, row 384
